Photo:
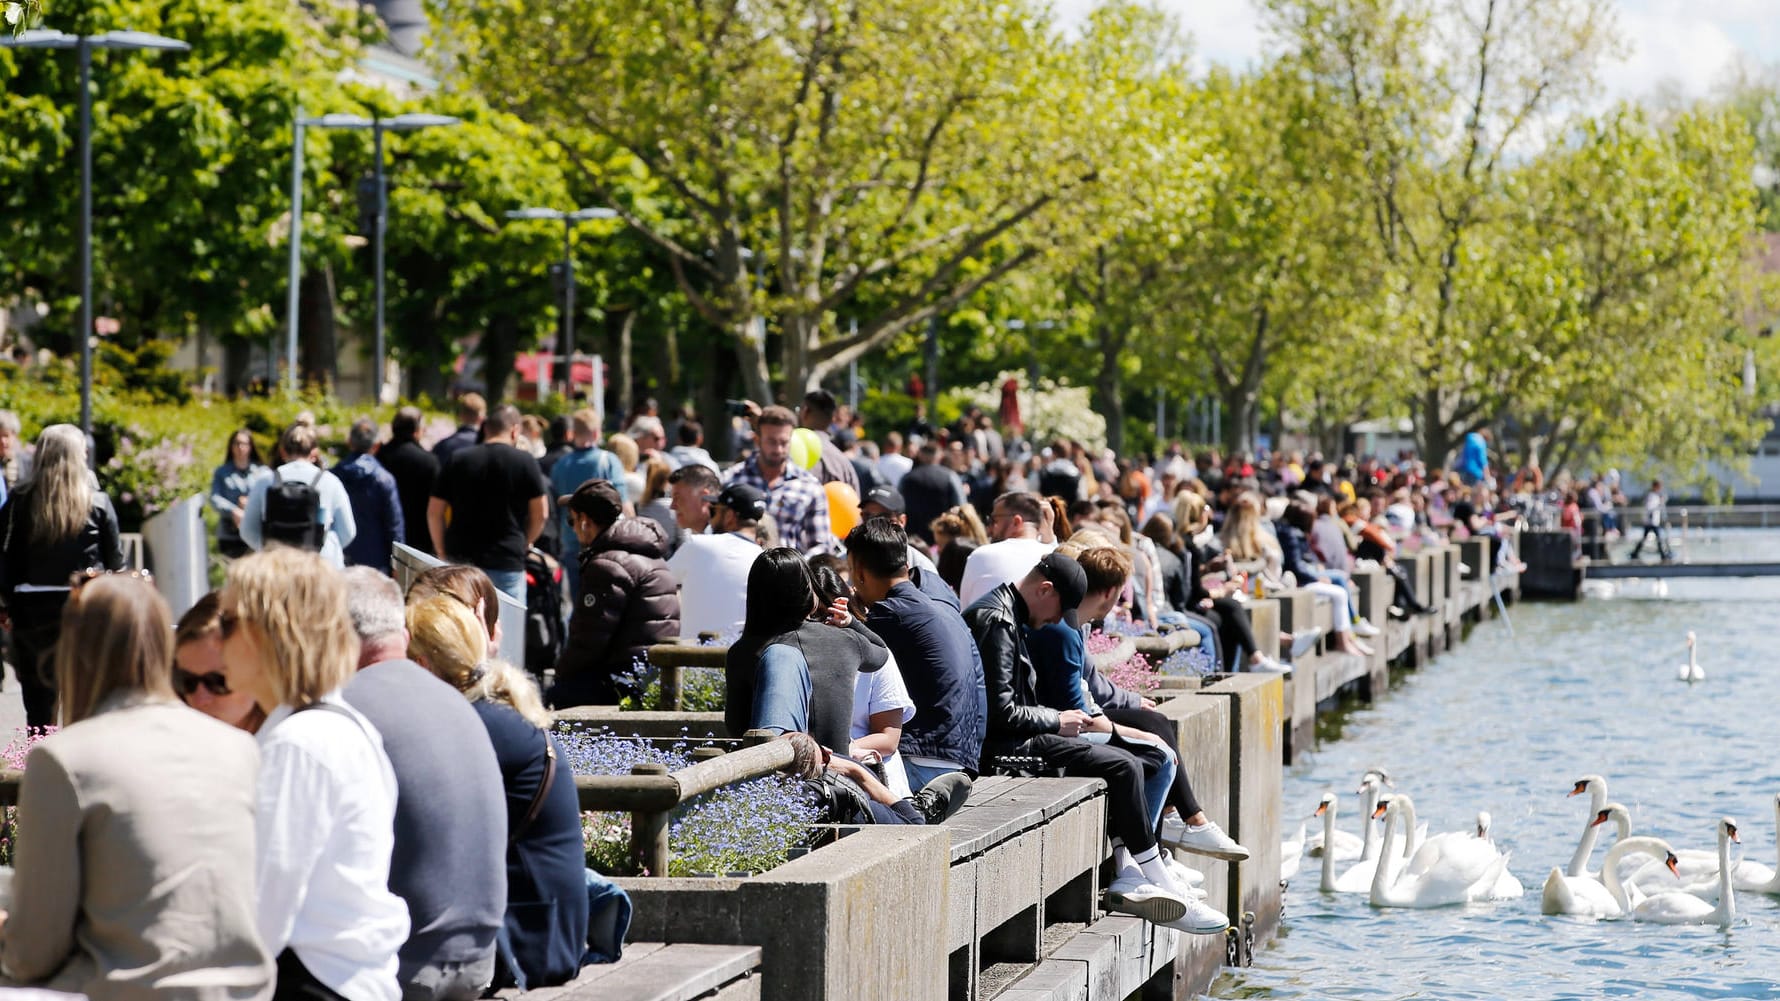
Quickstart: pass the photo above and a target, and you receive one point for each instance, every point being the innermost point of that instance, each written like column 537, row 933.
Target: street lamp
column 378, row 126
column 566, row 332
column 84, row 45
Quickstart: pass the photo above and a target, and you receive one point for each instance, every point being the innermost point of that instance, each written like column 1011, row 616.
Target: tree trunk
column 1242, row 406
column 500, row 346
column 1109, row 392
column 317, row 346
column 237, row 355
column 626, row 382
column 749, row 337
column 1434, row 437
column 801, row 334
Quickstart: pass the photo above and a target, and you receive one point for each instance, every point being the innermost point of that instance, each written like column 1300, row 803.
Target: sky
column 1684, row 43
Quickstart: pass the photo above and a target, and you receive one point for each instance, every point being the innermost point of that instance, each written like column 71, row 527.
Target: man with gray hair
column 376, row 502
column 15, row 465
column 449, row 861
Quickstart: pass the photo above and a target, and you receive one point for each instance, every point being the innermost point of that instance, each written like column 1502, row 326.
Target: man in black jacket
column 1020, row 724
column 415, row 469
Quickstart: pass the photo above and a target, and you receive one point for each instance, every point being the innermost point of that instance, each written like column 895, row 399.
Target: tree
column 822, row 156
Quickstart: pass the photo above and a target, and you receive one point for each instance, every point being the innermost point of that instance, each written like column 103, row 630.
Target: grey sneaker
column 1207, row 840
column 942, row 797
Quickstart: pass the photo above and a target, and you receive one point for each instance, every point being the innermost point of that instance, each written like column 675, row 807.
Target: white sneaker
column 1208, row 840
column 1365, row 630
column 1304, row 639
column 1201, row 919
column 1134, row 895
column 1186, row 881
column 1267, row 665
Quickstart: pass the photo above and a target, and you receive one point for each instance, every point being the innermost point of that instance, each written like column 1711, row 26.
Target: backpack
column 543, row 612
column 292, row 514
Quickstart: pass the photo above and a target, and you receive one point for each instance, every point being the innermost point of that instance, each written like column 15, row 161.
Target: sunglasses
column 185, row 682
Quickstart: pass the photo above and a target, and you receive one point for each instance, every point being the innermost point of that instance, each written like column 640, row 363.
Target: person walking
column 585, row 460
column 54, row 525
column 300, row 504
column 817, row 414
column 376, row 500
column 1656, row 517
column 796, row 502
column 326, row 806
column 229, row 486
column 472, row 411
column 488, row 505
column 628, row 602
column 414, row 469
column 135, row 842
column 929, row 490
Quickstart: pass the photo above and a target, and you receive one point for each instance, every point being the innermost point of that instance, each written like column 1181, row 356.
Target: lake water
column 1509, row 725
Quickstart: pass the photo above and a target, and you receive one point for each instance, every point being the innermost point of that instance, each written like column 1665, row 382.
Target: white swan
column 1691, row 671
column 1586, row 895
column 1508, row 886
column 1463, row 869
column 1596, row 787
column 1678, row 907
column 1351, row 847
column 1697, row 873
column 1291, row 855
column 1772, row 883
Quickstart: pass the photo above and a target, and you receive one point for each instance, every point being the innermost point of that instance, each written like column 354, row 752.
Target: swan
column 1678, row 907
column 1596, row 787
column 1426, row 851
column 1508, row 886
column 1466, row 868
column 1691, row 671
column 1291, row 855
column 1350, row 847
column 1772, row 883
column 1697, row 872
column 1586, row 895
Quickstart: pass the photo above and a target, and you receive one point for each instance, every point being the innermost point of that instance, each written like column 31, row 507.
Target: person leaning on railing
column 135, row 838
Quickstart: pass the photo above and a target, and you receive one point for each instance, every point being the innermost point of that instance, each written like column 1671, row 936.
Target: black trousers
column 34, row 662
column 296, row 983
column 1180, row 794
column 1121, row 766
column 1234, row 630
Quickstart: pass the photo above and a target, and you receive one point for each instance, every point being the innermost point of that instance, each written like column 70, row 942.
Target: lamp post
column 565, row 346
column 378, row 126
column 84, row 46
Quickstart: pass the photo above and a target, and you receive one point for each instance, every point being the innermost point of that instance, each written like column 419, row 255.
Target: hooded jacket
column 628, row 603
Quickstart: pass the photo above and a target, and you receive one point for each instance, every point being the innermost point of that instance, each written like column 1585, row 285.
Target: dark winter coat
column 629, row 602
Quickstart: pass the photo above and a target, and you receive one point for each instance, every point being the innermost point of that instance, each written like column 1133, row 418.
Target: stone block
column 1263, row 615
column 643, row 724
column 1098, row 957
column 1058, row 981
column 1009, row 898
column 1202, row 723
column 1256, row 715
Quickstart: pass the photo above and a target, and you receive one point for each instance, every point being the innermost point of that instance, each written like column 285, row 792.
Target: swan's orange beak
column 1671, row 862
column 1600, row 818
column 1380, row 811
column 1581, row 787
column 1732, row 829
column 1321, row 808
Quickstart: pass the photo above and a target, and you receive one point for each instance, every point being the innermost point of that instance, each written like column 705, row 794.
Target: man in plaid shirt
column 796, row 502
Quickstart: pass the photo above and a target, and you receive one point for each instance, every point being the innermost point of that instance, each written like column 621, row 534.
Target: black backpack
column 543, row 612
column 292, row 515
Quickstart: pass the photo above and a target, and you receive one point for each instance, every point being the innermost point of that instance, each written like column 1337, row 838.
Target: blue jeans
column 782, row 691
column 509, row 582
column 608, row 919
column 920, row 775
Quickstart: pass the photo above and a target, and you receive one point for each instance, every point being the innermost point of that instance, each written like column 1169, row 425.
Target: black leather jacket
column 27, row 560
column 997, row 622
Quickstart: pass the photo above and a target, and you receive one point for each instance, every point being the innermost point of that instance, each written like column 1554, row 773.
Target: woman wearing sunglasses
column 135, row 873
column 327, row 793
column 198, row 676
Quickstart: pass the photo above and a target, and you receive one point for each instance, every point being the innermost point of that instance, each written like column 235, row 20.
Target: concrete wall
column 1202, row 723
column 1257, row 713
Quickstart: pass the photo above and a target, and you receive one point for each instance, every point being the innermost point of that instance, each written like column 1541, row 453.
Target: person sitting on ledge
column 851, row 794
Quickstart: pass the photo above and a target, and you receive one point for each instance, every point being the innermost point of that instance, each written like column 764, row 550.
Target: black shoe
column 942, row 797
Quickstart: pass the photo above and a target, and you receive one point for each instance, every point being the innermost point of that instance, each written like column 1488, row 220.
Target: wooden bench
column 654, row 971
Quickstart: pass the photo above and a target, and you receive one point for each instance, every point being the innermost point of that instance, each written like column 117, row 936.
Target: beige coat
column 135, row 874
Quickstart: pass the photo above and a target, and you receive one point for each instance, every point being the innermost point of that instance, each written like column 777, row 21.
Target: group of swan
column 1686, row 887
column 1426, row 871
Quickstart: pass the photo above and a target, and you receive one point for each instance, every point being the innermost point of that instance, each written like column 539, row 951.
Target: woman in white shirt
column 327, row 794
column 881, row 706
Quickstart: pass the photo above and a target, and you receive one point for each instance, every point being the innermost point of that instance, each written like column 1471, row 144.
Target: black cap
column 748, row 502
column 885, row 497
column 1067, row 576
column 597, row 499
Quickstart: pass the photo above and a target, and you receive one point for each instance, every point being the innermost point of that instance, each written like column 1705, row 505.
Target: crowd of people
column 911, row 615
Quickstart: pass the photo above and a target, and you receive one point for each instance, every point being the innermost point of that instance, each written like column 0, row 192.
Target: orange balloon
column 843, row 508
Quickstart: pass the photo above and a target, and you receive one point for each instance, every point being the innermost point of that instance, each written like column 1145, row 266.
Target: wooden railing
column 671, row 660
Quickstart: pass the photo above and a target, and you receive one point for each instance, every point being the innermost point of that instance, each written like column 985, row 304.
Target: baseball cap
column 597, row 499
column 886, row 497
column 1067, row 576
column 748, row 502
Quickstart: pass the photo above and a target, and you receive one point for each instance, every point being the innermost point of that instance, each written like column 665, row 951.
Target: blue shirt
column 1058, row 653
column 942, row 670
column 573, row 469
column 1474, row 458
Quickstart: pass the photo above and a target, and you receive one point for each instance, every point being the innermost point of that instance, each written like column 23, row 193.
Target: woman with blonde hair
column 135, row 820
column 54, row 525
column 327, row 792
column 545, row 930
column 961, row 522
column 630, row 456
column 198, row 676
column 654, row 503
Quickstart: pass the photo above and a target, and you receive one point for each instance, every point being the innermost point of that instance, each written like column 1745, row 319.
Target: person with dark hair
column 1014, row 528
column 628, row 600
column 929, row 490
column 796, row 502
column 472, row 411
column 953, row 560
column 691, row 449
column 817, row 414
column 229, row 487
column 712, row 569
column 1293, row 531
column 887, row 502
column 489, row 504
column 376, row 502
column 787, row 672
column 331, row 516
column 414, row 469
column 939, row 662
column 691, row 488
column 585, row 461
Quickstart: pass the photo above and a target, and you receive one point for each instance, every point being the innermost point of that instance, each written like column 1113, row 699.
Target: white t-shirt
column 999, row 563
column 712, row 571
column 895, row 467
column 876, row 692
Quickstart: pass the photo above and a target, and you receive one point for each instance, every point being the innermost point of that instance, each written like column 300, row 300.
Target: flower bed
column 13, row 756
column 749, row 827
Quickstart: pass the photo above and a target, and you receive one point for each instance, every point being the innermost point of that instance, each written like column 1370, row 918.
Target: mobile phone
column 736, row 408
